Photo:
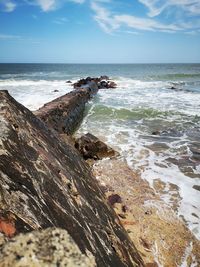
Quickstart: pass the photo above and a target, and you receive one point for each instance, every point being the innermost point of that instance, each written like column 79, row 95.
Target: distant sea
column 152, row 119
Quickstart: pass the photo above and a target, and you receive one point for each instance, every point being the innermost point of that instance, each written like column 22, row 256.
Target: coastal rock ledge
column 45, row 183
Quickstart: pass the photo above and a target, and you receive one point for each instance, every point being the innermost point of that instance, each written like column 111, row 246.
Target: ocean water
column 156, row 128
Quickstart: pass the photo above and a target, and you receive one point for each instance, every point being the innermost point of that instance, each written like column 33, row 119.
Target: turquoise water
column 152, row 118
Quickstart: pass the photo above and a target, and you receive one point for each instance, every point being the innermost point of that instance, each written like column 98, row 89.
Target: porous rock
column 45, row 248
column 91, row 147
column 44, row 182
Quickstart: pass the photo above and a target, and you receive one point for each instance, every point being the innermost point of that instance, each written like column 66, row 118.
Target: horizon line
column 100, row 63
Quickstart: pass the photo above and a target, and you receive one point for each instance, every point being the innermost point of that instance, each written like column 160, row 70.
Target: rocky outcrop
column 91, row 147
column 44, row 182
column 47, row 248
column 102, row 82
column 64, row 114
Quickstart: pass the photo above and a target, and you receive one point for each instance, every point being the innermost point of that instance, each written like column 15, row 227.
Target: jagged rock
column 65, row 113
column 47, row 248
column 97, row 83
column 68, row 81
column 91, row 147
column 55, row 91
column 112, row 85
column 107, row 85
column 44, row 182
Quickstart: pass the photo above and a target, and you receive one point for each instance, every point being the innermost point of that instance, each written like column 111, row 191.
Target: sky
column 99, row 31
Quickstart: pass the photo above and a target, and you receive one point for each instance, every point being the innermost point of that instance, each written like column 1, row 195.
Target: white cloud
column 47, row 5
column 7, row 5
column 109, row 22
column 156, row 7
column 50, row 5
column 104, row 18
column 144, row 23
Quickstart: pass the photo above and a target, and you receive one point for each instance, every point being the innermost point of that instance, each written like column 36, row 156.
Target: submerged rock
column 47, row 248
column 91, row 147
column 44, row 182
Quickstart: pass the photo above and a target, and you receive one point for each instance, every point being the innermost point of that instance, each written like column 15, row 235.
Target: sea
column 152, row 118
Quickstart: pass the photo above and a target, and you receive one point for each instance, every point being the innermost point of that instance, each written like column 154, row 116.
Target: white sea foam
column 176, row 110
column 34, row 94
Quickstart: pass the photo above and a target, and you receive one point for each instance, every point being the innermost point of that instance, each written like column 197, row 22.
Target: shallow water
column 156, row 128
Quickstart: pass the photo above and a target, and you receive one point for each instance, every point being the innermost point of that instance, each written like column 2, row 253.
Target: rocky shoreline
column 46, row 183
column 109, row 215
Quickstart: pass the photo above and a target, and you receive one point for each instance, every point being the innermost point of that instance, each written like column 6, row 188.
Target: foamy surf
column 34, row 94
column 127, row 118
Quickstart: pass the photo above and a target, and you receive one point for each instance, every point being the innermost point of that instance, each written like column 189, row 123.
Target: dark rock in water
column 103, row 84
column 56, row 90
column 91, row 147
column 104, row 77
column 112, row 85
column 99, row 83
column 65, row 113
column 156, row 133
column 196, row 187
column 68, row 82
column 44, row 182
column 114, row 198
column 107, row 85
column 195, row 149
column 50, row 247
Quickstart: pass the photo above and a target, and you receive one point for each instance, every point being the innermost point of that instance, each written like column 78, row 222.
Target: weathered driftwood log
column 65, row 113
column 44, row 182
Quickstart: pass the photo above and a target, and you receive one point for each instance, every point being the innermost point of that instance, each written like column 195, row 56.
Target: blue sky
column 100, row 31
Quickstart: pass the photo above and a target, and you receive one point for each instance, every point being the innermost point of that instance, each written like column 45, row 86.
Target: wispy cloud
column 104, row 18
column 9, row 37
column 156, row 7
column 60, row 21
column 111, row 22
column 50, row 5
column 7, row 5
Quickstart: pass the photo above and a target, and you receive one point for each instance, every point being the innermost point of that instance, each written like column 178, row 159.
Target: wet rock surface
column 91, row 147
column 102, row 82
column 45, row 248
column 64, row 114
column 160, row 236
column 44, row 182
